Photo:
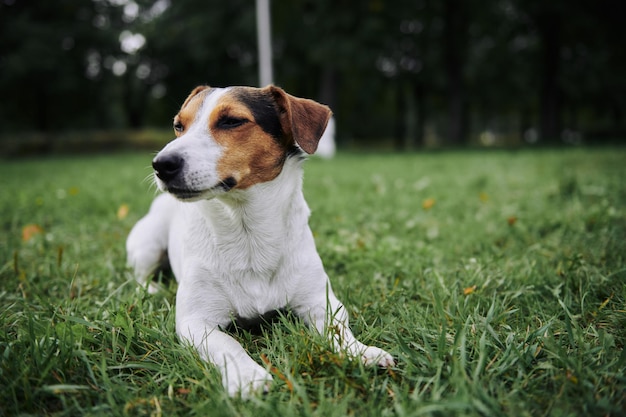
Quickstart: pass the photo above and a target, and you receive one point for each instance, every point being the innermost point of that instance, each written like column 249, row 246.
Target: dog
column 233, row 224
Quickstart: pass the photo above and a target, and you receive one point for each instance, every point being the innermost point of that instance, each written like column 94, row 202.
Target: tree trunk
column 399, row 131
column 135, row 95
column 455, row 39
column 420, row 122
column 328, row 87
column 550, row 121
column 43, row 118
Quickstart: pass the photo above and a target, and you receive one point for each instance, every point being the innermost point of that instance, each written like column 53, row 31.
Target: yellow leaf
column 605, row 302
column 483, row 197
column 469, row 290
column 30, row 230
column 428, row 203
column 122, row 212
column 572, row 378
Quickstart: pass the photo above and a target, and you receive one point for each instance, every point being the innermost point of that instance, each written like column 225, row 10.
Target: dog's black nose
column 168, row 167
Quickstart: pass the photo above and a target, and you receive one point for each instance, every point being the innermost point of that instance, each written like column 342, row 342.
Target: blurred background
column 95, row 74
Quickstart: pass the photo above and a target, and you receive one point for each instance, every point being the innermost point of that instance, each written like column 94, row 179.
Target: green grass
column 497, row 279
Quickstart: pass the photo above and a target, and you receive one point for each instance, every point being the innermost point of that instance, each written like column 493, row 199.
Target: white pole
column 264, row 38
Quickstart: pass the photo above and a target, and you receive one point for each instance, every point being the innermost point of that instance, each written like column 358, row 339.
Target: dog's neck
column 266, row 202
column 254, row 224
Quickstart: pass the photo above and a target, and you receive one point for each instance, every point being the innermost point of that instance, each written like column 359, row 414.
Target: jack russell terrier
column 234, row 226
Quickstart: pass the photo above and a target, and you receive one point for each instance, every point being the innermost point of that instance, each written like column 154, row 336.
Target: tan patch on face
column 189, row 110
column 251, row 155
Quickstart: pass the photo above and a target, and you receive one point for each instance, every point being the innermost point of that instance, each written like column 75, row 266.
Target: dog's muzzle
column 168, row 167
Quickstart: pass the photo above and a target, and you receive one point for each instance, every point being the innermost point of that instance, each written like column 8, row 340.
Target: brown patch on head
column 251, row 154
column 189, row 109
column 257, row 129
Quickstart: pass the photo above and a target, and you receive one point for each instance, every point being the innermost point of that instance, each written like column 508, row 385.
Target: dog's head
column 234, row 138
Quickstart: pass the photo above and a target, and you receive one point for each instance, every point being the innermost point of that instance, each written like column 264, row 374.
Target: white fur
column 326, row 148
column 239, row 253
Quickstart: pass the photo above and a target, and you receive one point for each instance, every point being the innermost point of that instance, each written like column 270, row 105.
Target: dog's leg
column 240, row 373
column 147, row 242
column 330, row 317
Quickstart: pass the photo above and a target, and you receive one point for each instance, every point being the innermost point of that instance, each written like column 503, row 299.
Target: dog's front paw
column 376, row 356
column 246, row 380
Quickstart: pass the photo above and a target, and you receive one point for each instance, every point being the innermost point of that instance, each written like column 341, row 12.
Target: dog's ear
column 193, row 93
column 302, row 119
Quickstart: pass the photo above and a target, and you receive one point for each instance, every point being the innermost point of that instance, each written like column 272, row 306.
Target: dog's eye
column 178, row 126
column 228, row 122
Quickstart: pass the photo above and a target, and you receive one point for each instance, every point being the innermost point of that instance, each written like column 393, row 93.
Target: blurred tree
column 371, row 61
column 326, row 49
column 42, row 63
column 456, row 21
column 548, row 19
column 593, row 61
column 407, row 72
column 204, row 41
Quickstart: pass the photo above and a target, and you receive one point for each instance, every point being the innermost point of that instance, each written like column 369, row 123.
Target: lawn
column 496, row 278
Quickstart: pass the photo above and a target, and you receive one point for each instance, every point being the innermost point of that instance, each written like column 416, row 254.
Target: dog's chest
column 251, row 268
column 245, row 258
column 251, row 296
